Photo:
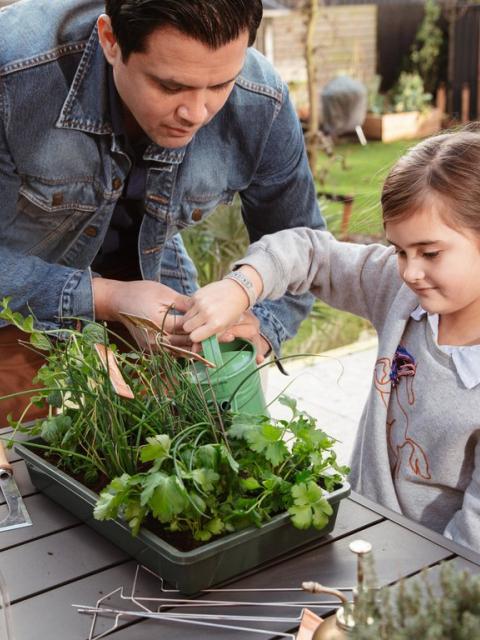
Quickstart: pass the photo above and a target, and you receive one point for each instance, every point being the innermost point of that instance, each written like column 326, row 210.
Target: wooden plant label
column 107, row 358
column 308, row 625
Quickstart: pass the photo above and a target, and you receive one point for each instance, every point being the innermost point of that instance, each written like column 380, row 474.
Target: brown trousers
column 18, row 367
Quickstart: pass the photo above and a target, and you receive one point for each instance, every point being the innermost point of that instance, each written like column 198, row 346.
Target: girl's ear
column 108, row 41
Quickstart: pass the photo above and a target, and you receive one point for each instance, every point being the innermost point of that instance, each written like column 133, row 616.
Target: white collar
column 466, row 359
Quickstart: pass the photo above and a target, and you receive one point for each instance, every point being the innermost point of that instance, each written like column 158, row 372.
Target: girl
column 417, row 449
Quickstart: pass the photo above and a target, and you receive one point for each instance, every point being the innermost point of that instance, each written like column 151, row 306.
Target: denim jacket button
column 91, row 232
column 197, row 215
column 57, row 199
column 116, row 183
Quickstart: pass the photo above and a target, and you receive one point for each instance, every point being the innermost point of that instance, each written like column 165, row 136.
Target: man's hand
column 142, row 298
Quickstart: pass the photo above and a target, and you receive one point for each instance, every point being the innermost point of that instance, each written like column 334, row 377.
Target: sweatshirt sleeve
column 362, row 279
column 464, row 527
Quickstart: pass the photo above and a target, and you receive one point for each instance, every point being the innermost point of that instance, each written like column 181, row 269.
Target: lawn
column 358, row 171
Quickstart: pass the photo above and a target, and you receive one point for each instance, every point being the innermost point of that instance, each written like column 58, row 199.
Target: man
column 118, row 131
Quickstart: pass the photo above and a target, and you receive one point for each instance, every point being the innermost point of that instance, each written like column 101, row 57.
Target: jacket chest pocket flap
column 37, row 198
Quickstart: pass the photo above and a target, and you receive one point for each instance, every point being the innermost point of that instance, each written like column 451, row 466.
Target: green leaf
column 206, row 478
column 169, row 498
column 267, row 439
column 207, row 456
column 54, row 429
column 291, row 403
column 93, row 333
column 55, row 398
column 241, row 425
column 250, row 484
column 310, row 507
column 301, row 516
column 40, row 341
column 158, row 448
column 213, row 528
column 112, row 498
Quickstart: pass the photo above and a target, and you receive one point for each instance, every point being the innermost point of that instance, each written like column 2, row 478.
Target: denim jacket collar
column 86, row 107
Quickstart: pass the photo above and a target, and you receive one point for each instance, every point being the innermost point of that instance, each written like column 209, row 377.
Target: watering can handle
column 211, row 351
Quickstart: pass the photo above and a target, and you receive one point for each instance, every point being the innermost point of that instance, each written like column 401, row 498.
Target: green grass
column 358, row 171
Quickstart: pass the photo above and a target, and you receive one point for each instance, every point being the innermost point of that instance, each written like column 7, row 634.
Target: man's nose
column 193, row 110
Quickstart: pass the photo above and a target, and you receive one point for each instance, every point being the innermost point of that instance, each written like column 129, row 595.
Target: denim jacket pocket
column 51, row 215
column 195, row 208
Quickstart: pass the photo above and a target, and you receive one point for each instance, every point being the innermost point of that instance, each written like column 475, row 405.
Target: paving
column 332, row 387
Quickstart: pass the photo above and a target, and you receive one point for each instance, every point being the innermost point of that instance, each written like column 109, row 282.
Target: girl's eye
column 400, row 253
column 430, row 255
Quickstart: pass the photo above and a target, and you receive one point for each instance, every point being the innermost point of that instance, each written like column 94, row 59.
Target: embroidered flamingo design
column 387, row 379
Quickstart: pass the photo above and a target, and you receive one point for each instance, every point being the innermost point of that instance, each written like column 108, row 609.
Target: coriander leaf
column 158, row 447
column 206, row 478
column 250, row 484
column 54, row 429
column 168, row 499
column 291, row 403
column 301, row 516
column 112, row 498
column 207, row 456
column 309, row 497
column 267, row 439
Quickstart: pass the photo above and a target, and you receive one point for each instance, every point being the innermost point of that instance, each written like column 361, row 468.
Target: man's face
column 176, row 86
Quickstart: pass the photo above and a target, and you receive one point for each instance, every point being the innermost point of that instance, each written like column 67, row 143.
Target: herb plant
column 168, row 453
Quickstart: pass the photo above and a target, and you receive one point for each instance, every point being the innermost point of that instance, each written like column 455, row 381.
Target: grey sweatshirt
column 417, row 447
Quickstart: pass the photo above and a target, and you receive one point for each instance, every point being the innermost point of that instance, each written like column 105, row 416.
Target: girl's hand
column 214, row 308
column 217, row 306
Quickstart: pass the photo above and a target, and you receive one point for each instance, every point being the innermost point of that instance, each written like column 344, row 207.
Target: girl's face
column 439, row 263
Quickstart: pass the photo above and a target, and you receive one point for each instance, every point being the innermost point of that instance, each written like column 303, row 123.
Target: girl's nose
column 193, row 111
column 412, row 271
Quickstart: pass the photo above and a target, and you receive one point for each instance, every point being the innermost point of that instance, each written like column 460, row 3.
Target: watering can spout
column 235, row 382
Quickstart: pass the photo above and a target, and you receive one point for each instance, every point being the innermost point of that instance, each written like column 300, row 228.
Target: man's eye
column 400, row 253
column 430, row 255
column 221, row 87
column 167, row 89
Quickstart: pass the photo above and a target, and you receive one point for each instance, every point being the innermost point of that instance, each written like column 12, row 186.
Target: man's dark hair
column 212, row 22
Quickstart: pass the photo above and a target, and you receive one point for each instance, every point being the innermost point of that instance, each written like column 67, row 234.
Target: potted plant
column 404, row 113
column 419, row 609
column 136, row 448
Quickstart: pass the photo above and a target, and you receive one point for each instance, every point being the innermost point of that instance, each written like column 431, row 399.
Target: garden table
column 59, row 561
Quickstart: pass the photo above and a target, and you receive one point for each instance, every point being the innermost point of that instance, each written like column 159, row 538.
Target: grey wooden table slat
column 56, row 559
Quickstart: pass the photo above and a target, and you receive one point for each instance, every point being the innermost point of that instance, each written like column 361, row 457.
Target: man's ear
column 108, row 41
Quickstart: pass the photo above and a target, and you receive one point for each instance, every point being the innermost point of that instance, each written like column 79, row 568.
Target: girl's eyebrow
column 421, row 243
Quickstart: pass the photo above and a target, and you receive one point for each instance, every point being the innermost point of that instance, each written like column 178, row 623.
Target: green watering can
column 235, row 381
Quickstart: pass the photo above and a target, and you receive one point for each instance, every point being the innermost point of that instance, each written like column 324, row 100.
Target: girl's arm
column 362, row 279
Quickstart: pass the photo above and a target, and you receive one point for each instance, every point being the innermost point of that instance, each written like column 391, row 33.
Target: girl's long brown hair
column 445, row 168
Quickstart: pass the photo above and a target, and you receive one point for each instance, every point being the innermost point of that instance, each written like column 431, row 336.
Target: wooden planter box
column 402, row 126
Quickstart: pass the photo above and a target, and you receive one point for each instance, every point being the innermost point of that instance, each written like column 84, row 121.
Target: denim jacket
column 62, row 169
